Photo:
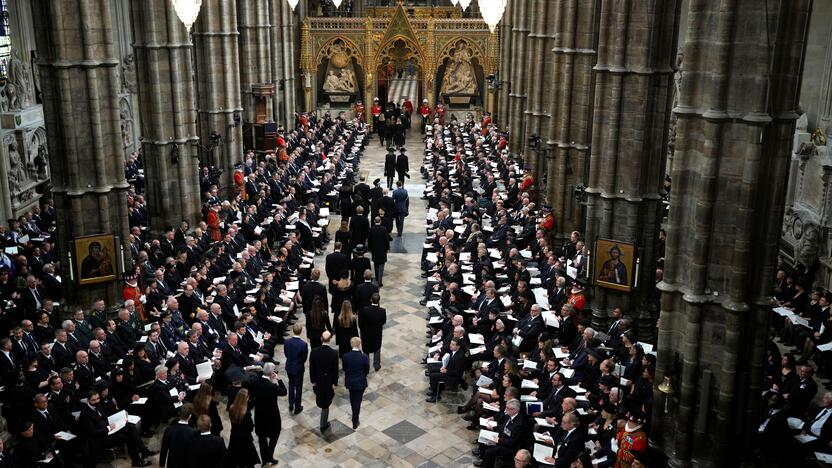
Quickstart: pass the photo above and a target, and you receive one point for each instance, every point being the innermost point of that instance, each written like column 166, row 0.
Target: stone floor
column 398, row 428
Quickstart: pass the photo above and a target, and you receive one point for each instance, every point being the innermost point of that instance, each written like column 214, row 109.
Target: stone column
column 284, row 57
column 517, row 97
column 505, row 73
column 537, row 112
column 633, row 91
column 255, row 61
column 218, row 84
column 736, row 119
column 163, row 49
column 79, row 77
column 572, row 88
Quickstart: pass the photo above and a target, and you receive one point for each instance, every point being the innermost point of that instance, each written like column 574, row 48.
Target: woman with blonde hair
column 346, row 327
column 241, row 443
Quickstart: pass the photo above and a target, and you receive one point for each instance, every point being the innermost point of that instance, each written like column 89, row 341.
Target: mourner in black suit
column 267, row 423
column 95, row 429
column 378, row 240
column 371, row 320
column 356, row 368
column 450, row 373
column 336, row 263
column 205, row 450
column 511, row 432
column 175, row 440
column 323, row 374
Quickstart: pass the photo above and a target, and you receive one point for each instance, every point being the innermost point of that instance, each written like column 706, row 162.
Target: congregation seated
column 505, row 317
column 203, row 310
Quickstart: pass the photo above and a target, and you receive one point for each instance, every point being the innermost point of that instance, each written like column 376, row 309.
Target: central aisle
column 398, row 428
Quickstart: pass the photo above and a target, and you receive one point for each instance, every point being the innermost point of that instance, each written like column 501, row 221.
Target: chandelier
column 492, row 12
column 337, row 3
column 187, row 11
column 464, row 4
column 293, row 4
column 455, row 2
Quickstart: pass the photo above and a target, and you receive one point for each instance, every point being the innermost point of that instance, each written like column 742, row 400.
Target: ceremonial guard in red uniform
column 132, row 292
column 631, row 440
column 376, row 111
column 359, row 110
column 424, row 111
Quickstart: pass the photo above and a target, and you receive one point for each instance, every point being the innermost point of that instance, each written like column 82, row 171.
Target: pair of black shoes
column 296, row 410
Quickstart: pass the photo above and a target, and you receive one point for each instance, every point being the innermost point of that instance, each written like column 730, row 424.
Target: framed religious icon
column 614, row 264
column 95, row 259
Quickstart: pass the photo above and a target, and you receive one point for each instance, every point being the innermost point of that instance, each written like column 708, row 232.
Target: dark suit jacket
column 455, row 368
column 175, row 441
column 378, row 241
column 206, row 451
column 363, row 292
column 569, row 448
column 309, row 292
column 517, row 428
column 323, row 372
column 265, row 393
column 336, row 262
column 371, row 320
column 296, row 351
column 356, row 368
column 360, row 226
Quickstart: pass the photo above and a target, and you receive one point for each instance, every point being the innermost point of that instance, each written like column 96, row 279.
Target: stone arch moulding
column 327, row 49
column 461, row 42
column 384, row 51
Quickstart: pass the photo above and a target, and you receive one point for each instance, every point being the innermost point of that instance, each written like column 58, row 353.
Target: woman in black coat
column 344, row 236
column 317, row 322
column 345, row 328
column 241, row 444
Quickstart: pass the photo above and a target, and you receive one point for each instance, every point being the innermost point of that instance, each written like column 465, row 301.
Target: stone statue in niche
column 128, row 74
column 126, row 123
column 9, row 100
column 20, row 75
column 17, row 168
column 460, row 77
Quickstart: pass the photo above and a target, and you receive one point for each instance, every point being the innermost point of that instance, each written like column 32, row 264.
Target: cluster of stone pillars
column 611, row 91
column 187, row 91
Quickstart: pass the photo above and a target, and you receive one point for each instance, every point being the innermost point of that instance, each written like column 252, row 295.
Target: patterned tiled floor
column 398, row 428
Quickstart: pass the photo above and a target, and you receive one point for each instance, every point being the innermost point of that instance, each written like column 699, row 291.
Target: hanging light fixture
column 455, row 2
column 337, row 3
column 492, row 12
column 187, row 11
column 293, row 4
column 464, row 4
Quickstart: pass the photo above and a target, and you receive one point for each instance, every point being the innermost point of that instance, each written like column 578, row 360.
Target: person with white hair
column 267, row 423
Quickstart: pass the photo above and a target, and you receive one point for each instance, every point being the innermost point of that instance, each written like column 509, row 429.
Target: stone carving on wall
column 128, row 74
column 340, row 75
column 8, row 96
column 17, row 167
column 20, row 75
column 807, row 221
column 460, row 76
column 125, row 113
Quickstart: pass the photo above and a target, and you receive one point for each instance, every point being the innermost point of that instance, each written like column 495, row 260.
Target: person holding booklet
column 100, row 432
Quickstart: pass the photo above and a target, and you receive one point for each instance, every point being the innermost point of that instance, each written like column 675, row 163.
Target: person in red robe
column 577, row 298
column 548, row 223
column 486, row 121
column 632, row 440
column 304, row 122
column 213, row 220
column 132, row 292
column 240, row 182
column 281, row 146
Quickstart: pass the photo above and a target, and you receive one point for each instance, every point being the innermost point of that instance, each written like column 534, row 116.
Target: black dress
column 338, row 296
column 343, row 336
column 345, row 238
column 314, row 333
column 241, row 448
